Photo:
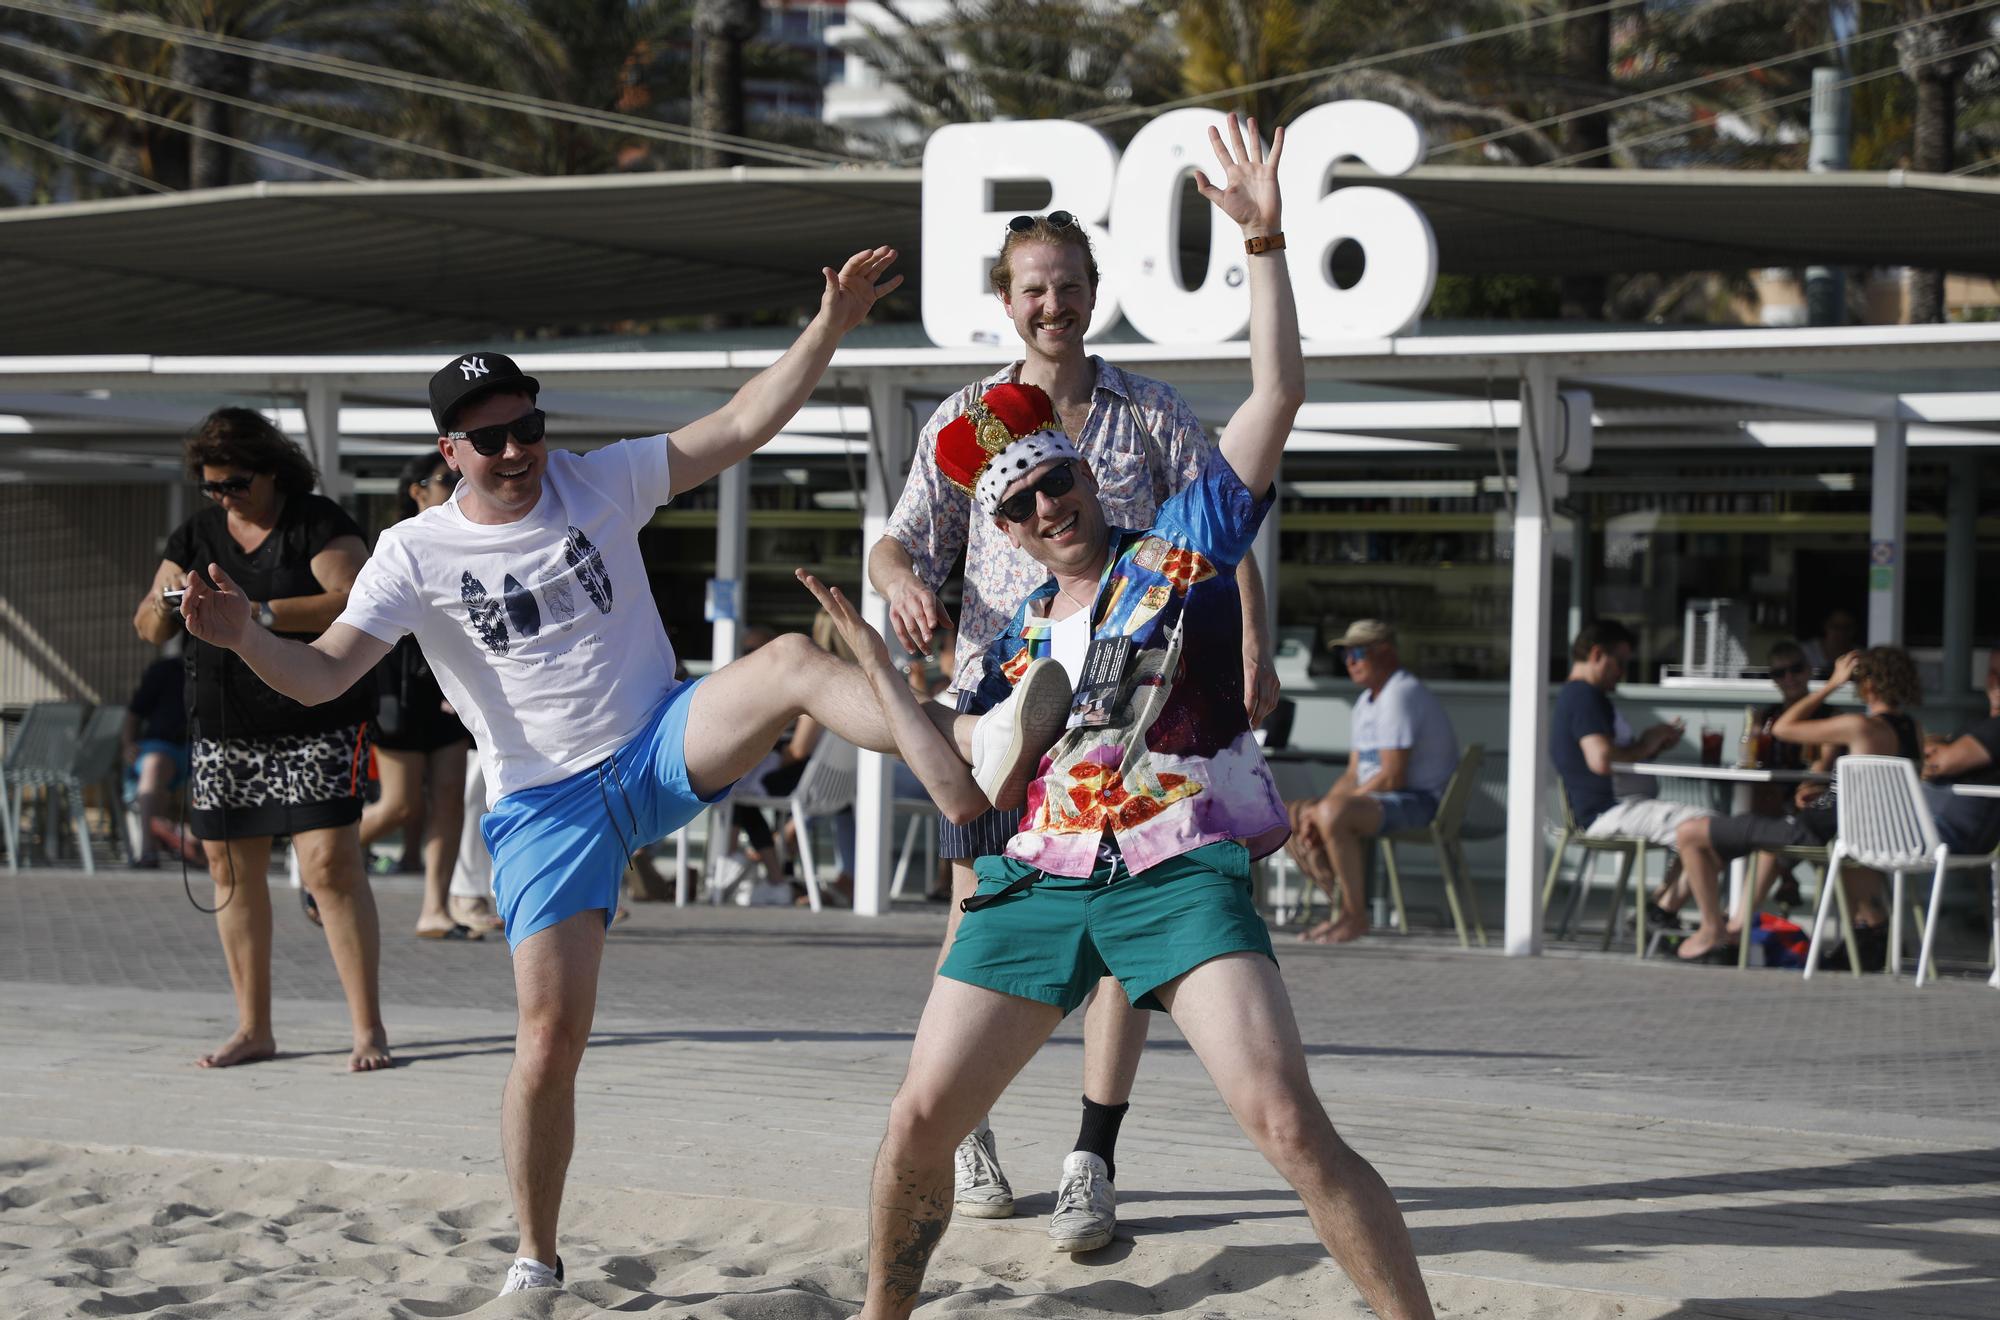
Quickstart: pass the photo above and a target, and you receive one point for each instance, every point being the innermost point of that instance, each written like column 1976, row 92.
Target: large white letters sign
column 1131, row 209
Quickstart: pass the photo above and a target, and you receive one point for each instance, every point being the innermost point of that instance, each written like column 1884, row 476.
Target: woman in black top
column 262, row 763
column 417, row 740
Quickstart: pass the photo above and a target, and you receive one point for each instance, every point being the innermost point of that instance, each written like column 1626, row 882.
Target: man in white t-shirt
column 530, row 599
column 1402, row 752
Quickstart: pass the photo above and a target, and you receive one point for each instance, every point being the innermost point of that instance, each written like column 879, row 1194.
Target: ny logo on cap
column 473, row 366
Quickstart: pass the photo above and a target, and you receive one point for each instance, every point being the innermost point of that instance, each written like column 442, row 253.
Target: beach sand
column 103, row 1231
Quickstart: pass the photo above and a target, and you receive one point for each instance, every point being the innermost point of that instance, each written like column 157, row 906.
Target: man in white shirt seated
column 1403, row 752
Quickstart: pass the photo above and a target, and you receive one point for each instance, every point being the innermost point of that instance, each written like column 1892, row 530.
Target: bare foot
column 1316, row 933
column 239, row 1048
column 1348, row 927
column 372, row 1054
column 441, row 927
column 1699, row 945
column 476, row 912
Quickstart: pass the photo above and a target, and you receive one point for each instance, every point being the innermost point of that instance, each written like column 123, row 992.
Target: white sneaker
column 979, row 1189
column 526, row 1274
column 732, row 874
column 1008, row 741
column 1086, row 1207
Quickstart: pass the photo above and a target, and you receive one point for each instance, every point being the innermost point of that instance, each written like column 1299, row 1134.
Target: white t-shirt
column 1407, row 716
column 1069, row 643
column 542, row 632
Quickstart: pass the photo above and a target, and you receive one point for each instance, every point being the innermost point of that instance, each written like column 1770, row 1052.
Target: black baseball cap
column 471, row 375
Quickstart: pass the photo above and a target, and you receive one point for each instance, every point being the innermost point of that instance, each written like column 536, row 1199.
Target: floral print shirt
column 1164, row 759
column 1143, row 442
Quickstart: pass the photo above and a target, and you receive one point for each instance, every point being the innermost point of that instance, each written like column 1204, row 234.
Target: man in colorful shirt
column 1134, row 856
column 1143, row 443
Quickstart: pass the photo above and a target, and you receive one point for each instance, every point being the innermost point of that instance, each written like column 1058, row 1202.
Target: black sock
column 1099, row 1133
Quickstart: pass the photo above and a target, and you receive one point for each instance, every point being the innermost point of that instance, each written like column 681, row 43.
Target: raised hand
column 861, row 637
column 1249, row 194
column 218, row 615
column 852, row 291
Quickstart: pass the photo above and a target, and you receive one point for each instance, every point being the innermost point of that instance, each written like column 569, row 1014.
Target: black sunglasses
column 236, row 485
column 446, row 478
column 1786, row 671
column 492, row 440
column 1057, row 482
column 1021, row 224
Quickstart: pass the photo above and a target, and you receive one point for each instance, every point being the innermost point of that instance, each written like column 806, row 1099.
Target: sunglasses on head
column 1055, row 483
column 491, row 440
column 1786, row 671
column 1021, row 224
column 215, row 490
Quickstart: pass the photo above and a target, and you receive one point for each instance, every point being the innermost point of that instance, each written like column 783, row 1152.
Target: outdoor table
column 1743, row 783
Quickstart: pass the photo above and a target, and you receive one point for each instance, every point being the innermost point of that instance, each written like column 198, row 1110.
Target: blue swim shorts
column 1406, row 809
column 561, row 848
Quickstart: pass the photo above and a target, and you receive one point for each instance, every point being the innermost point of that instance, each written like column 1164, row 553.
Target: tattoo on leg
column 910, row 1256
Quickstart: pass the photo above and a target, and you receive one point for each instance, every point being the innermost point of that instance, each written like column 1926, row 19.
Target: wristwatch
column 1265, row 243
column 265, row 618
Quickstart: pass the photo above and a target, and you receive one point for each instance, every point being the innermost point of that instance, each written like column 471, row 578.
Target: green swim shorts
column 1055, row 939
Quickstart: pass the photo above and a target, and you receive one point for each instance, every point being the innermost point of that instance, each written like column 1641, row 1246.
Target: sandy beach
column 1553, row 1158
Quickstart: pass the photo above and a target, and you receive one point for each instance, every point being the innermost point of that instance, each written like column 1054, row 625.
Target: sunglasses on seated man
column 1057, row 482
column 528, row 428
column 236, row 485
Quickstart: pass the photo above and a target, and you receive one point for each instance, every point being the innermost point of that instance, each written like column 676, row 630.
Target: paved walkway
column 1585, row 1134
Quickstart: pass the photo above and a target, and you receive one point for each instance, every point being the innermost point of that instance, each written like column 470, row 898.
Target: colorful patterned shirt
column 1164, row 757
column 1142, row 441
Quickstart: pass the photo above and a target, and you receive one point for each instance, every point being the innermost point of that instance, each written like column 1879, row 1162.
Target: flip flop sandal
column 457, row 931
column 310, row 906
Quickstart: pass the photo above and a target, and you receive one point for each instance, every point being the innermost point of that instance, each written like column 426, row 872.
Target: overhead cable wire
column 193, row 130
column 1359, row 62
column 425, row 84
column 1624, row 102
column 1770, row 103
column 261, row 108
column 78, row 158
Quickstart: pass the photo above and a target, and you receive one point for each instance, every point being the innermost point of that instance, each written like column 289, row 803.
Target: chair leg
column 10, row 802
column 681, row 867
column 1639, row 899
column 903, row 857
column 801, row 827
column 1442, row 846
column 1994, row 980
column 1471, row 890
column 1586, row 872
column 1555, row 869
column 1395, row 884
column 1895, row 963
column 1930, row 927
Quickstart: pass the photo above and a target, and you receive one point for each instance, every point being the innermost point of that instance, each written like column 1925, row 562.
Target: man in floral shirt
column 1133, row 859
column 1143, row 443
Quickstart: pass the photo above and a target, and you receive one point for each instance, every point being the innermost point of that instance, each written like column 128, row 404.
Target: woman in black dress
column 418, row 741
column 263, row 764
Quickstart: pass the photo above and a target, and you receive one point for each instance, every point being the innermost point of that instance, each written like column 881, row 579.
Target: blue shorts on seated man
column 562, row 848
column 1405, row 809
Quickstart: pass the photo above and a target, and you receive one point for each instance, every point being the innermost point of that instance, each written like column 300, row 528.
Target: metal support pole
column 1586, row 552
column 728, row 595
column 1528, row 678
column 1826, row 286
column 890, row 438
column 1961, row 547
column 1887, row 499
column 323, row 435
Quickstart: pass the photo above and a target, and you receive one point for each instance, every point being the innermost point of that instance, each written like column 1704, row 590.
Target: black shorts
column 252, row 788
column 1739, row 836
column 432, row 732
column 985, row 836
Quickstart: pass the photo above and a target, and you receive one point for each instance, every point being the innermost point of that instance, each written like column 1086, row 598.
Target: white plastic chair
column 825, row 788
column 1884, row 824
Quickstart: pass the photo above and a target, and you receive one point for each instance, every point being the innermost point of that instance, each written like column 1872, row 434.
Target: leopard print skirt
column 248, row 788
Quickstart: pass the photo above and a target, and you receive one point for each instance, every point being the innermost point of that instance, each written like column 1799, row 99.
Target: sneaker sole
column 1088, row 1242
column 1041, row 708
column 985, row 1209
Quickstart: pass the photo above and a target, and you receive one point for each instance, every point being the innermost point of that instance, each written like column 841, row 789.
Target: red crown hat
column 1002, row 435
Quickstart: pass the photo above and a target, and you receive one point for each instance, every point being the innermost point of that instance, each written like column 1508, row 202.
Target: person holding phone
column 263, row 764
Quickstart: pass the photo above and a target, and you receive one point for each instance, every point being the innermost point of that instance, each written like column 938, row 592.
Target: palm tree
column 1936, row 57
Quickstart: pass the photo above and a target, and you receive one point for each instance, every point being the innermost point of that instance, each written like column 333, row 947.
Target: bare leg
column 445, row 771
column 969, row 1045
column 240, row 869
column 739, row 711
column 156, row 772
column 1348, row 822
column 330, row 864
column 1703, row 877
column 555, row 985
column 1236, row 1017
column 1114, row 1039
